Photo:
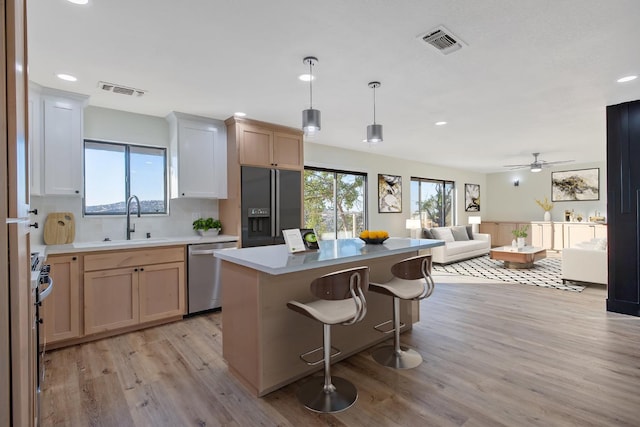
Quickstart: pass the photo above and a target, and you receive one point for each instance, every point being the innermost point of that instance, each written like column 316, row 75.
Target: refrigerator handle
column 275, row 203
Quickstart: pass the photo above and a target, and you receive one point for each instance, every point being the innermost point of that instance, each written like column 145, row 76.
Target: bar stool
column 342, row 302
column 412, row 281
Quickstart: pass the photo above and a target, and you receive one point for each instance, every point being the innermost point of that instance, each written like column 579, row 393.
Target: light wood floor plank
column 495, row 354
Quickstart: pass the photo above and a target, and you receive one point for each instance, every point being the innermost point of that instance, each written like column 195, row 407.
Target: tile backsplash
column 182, row 212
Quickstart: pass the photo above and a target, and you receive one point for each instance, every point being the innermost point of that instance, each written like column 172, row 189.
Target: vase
column 209, row 233
column 521, row 242
column 547, row 216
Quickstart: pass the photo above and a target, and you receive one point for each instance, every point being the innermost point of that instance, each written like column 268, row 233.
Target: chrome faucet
column 129, row 229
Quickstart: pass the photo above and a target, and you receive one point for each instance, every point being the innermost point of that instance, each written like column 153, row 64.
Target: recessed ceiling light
column 67, row 77
column 627, row 79
column 239, row 114
column 78, row 1
column 306, row 77
column 441, row 123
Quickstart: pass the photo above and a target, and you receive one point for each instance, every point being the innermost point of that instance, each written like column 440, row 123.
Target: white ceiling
column 535, row 76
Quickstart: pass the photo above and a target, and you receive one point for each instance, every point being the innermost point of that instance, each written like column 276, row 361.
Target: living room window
column 432, row 202
column 335, row 202
column 114, row 171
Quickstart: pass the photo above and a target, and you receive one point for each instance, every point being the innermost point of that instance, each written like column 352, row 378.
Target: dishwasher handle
column 202, row 252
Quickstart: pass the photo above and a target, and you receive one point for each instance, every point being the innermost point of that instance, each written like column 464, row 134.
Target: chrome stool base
column 313, row 396
column 404, row 359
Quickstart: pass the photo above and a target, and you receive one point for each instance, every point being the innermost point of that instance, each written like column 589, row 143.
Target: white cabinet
column 198, row 157
column 56, row 141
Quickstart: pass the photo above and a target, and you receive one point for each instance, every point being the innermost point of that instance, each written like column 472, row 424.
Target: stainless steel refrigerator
column 271, row 202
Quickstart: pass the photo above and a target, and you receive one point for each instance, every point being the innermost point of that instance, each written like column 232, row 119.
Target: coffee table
column 518, row 257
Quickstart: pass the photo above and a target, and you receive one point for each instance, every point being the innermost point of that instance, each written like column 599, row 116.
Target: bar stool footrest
column 379, row 326
column 334, row 352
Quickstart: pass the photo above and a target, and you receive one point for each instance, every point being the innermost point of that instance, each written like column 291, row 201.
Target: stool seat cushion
column 326, row 311
column 401, row 288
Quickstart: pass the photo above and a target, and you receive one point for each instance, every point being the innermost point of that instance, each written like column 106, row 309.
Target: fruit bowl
column 374, row 241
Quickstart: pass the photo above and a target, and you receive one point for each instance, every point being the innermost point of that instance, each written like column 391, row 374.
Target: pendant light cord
column 310, row 84
column 374, row 104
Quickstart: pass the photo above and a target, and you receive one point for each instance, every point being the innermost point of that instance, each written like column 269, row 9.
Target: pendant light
column 310, row 117
column 374, row 131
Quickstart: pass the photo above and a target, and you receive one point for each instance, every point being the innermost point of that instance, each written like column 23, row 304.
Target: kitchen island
column 262, row 339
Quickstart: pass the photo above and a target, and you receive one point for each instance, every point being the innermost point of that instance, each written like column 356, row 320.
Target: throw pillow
column 426, row 234
column 470, row 231
column 443, row 233
column 459, row 233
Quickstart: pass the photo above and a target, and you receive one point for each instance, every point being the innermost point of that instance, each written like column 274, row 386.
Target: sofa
column 459, row 243
column 587, row 262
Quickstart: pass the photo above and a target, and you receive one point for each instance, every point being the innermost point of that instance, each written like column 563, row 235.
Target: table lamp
column 414, row 226
column 475, row 223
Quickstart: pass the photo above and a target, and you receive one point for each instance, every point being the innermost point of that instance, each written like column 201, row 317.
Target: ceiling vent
column 442, row 39
column 123, row 90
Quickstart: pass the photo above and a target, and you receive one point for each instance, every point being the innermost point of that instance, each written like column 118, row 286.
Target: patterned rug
column 545, row 273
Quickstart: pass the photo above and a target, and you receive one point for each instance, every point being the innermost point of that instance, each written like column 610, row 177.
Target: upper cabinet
column 265, row 145
column 198, row 157
column 56, row 141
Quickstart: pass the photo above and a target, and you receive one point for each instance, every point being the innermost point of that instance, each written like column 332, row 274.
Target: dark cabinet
column 623, row 198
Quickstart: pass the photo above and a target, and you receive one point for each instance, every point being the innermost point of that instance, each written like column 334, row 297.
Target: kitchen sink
column 110, row 243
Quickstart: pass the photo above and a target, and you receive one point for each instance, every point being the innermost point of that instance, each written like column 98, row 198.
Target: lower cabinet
column 547, row 235
column 61, row 309
column 151, row 287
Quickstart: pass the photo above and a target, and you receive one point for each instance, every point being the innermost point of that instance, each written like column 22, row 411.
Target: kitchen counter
column 263, row 339
column 129, row 244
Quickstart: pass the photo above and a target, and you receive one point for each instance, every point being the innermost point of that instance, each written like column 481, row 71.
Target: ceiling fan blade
column 557, row 162
column 516, row 166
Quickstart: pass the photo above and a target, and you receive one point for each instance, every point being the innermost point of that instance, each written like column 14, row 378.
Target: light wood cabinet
column 61, row 309
column 547, row 235
column 198, row 157
column 575, row 233
column 148, row 285
column 264, row 146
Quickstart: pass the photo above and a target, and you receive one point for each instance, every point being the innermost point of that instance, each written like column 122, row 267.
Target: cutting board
column 59, row 228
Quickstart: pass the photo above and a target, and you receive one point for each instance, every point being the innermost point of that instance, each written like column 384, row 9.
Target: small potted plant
column 207, row 227
column 520, row 234
column 546, row 205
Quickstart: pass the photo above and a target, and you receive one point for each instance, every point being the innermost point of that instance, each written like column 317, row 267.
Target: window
column 432, row 201
column 334, row 202
column 114, row 171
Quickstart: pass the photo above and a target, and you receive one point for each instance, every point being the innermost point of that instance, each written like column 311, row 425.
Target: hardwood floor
column 494, row 355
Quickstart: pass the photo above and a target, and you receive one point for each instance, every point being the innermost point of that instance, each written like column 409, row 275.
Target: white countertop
column 129, row 244
column 276, row 260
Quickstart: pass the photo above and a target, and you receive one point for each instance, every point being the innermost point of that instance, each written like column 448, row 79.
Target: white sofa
column 456, row 248
column 587, row 262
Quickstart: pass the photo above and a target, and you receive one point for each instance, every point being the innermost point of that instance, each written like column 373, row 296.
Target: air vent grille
column 123, row 90
column 443, row 40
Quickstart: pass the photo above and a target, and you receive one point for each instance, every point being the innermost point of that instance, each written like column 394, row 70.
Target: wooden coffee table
column 520, row 258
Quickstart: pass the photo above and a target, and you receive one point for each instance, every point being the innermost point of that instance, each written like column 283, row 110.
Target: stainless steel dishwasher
column 203, row 276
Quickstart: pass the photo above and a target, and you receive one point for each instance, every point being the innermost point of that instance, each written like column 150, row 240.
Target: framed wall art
column 472, row 197
column 389, row 193
column 575, row 185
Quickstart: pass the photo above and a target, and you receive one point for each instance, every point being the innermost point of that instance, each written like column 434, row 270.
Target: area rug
column 545, row 273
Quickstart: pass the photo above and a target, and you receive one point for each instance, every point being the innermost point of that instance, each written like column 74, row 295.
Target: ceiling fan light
column 374, row 133
column 536, row 167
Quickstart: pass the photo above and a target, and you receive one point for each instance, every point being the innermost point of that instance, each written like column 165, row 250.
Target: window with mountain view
column 432, row 202
column 334, row 202
column 114, row 171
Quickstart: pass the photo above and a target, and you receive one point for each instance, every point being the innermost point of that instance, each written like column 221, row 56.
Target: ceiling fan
column 537, row 165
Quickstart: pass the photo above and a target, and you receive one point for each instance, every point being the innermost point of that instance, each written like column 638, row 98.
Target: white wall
column 505, row 202
column 120, row 126
column 371, row 163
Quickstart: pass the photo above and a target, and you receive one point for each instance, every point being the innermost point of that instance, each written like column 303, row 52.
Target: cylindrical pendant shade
column 374, row 133
column 311, row 120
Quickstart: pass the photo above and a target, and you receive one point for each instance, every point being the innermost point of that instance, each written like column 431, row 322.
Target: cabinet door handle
column 74, row 258
column 135, row 269
column 34, row 225
column 77, row 191
column 142, row 269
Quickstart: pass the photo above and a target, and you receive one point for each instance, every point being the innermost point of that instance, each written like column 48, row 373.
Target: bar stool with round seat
column 412, row 281
column 341, row 301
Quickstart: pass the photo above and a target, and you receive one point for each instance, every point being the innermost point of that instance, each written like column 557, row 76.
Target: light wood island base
column 262, row 339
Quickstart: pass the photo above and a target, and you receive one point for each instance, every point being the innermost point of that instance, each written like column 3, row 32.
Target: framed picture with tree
column 472, row 198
